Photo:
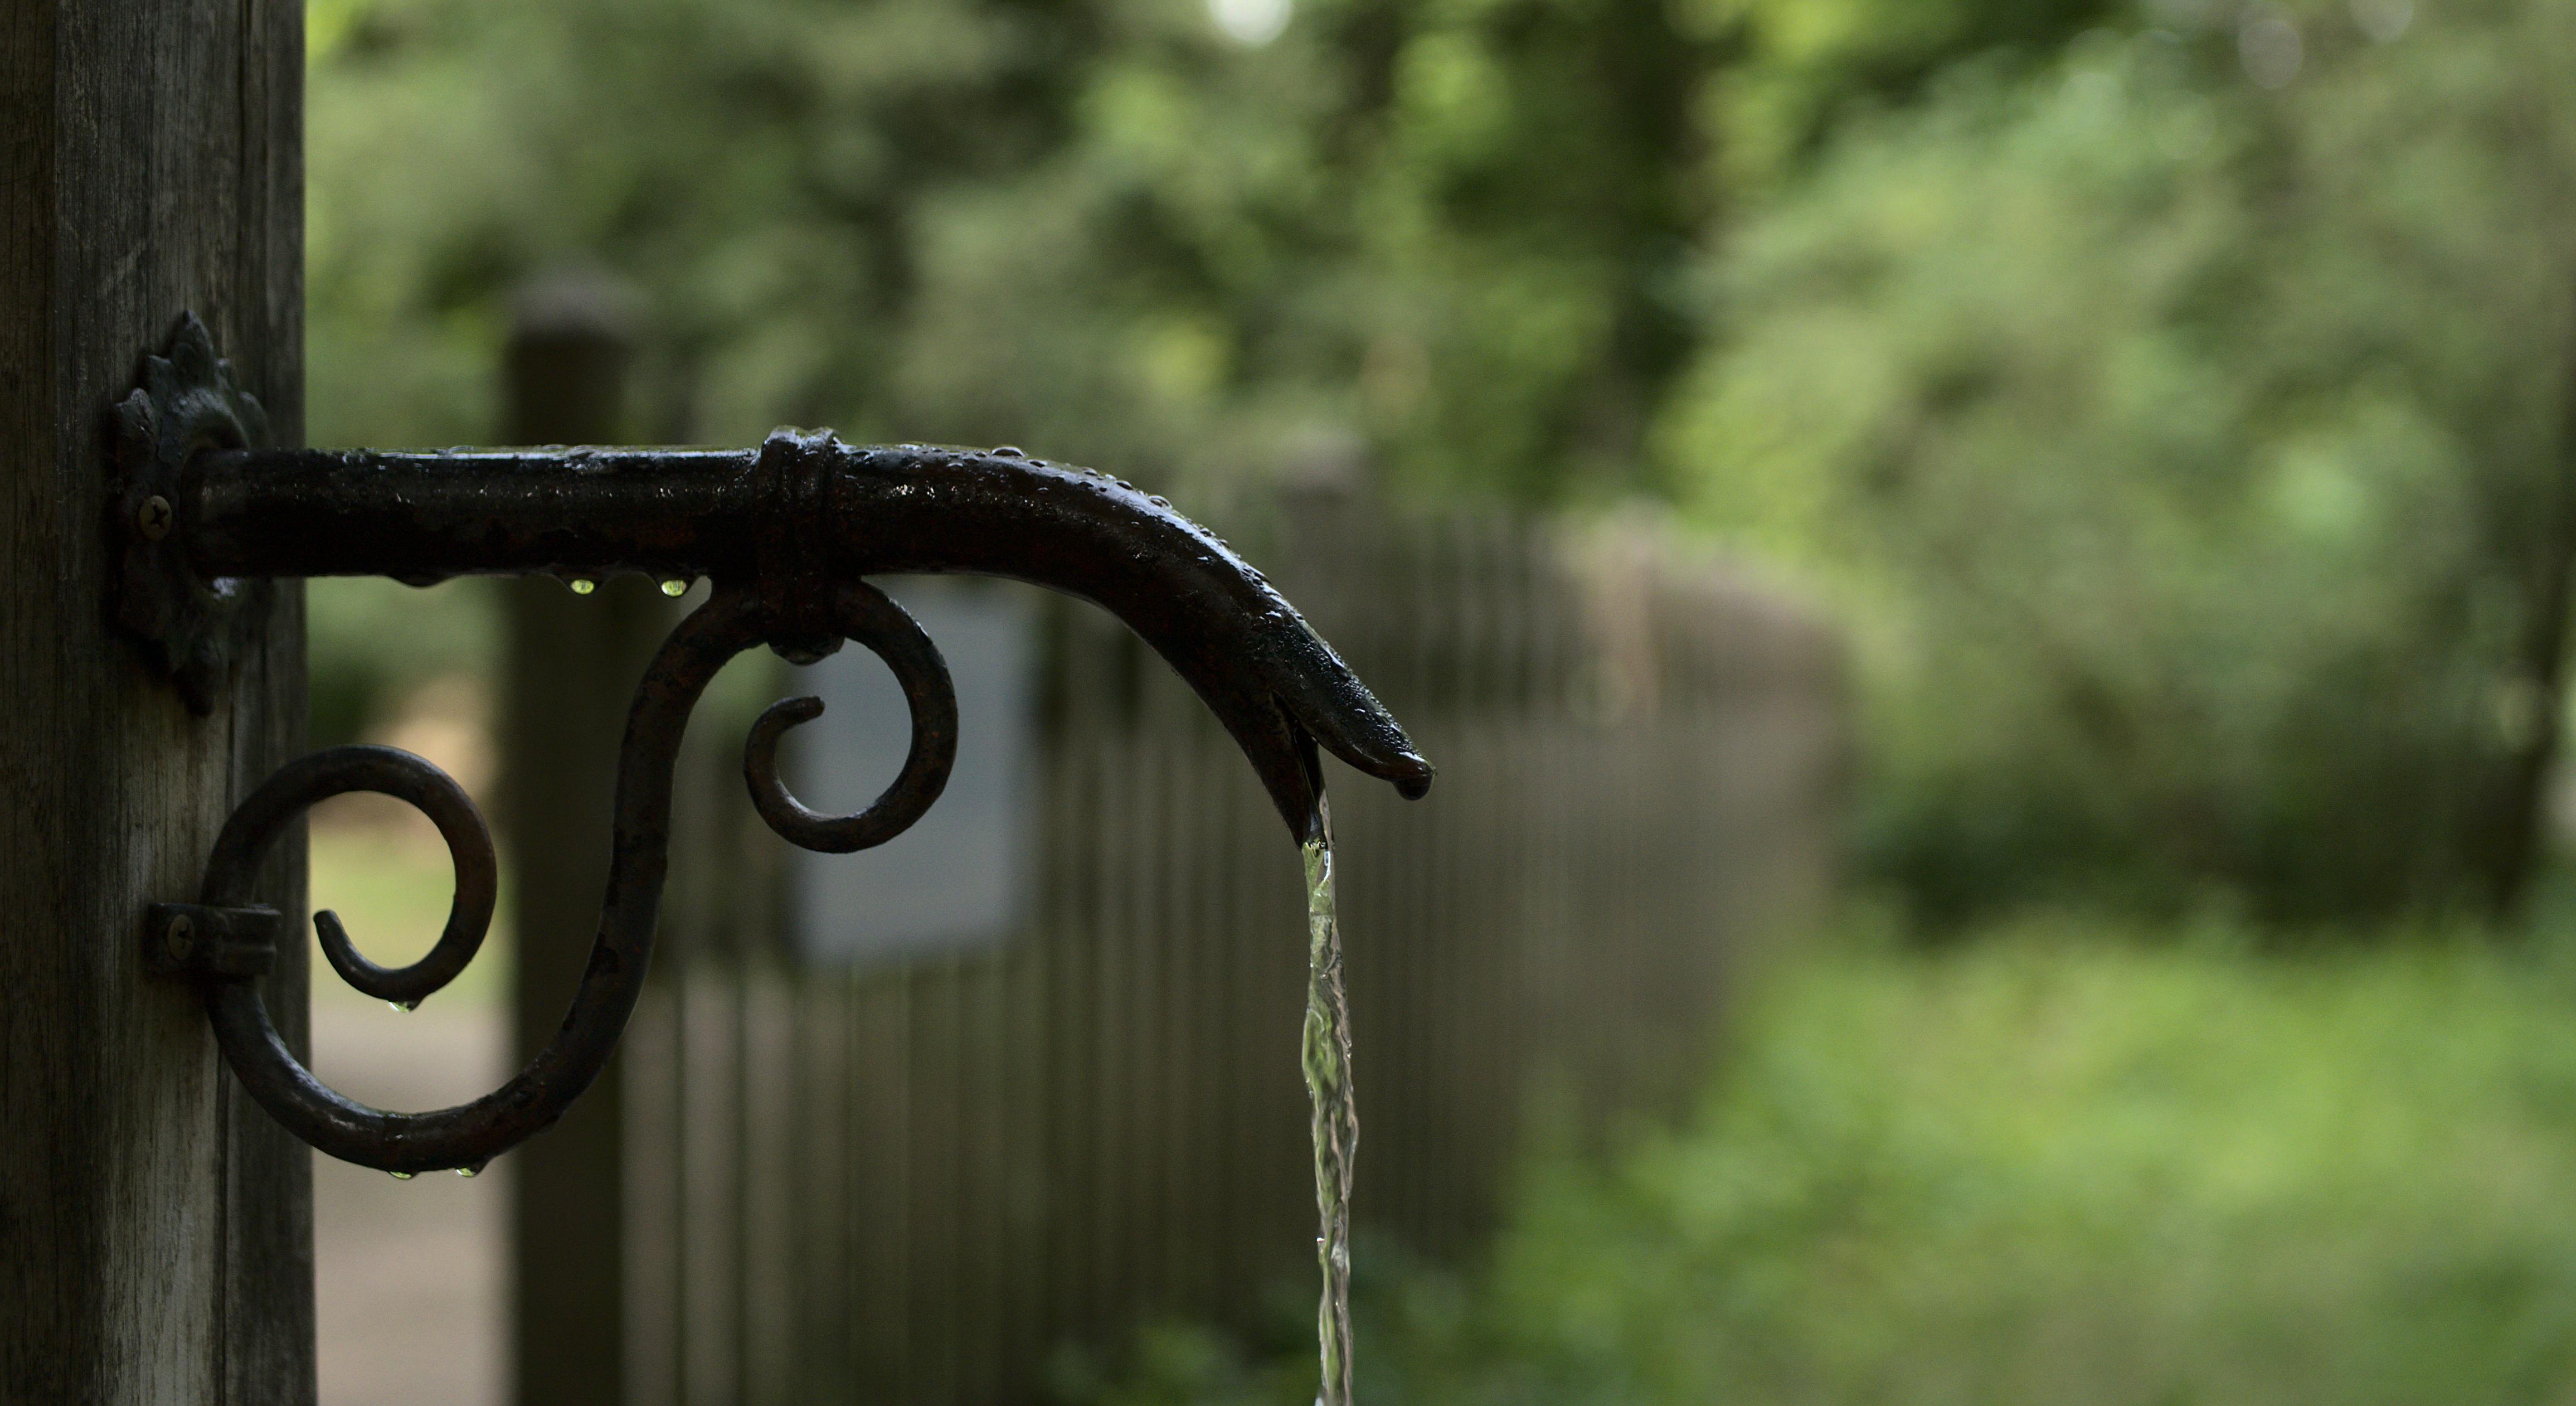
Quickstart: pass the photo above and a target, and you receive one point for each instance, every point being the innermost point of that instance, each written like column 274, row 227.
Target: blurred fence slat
column 919, row 1183
column 572, row 663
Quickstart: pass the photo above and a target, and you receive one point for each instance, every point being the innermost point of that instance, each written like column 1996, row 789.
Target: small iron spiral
column 468, row 1135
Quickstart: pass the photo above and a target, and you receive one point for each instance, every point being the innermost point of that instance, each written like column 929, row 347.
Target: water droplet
column 1008, row 451
column 1158, row 500
column 470, row 1169
column 401, row 1176
column 402, row 1007
column 582, row 585
column 676, row 587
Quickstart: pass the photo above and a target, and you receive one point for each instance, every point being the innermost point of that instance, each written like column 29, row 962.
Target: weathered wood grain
column 155, row 1228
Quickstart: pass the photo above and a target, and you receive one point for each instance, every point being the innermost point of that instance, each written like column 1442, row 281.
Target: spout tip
column 1400, row 766
column 1290, row 763
column 1362, row 733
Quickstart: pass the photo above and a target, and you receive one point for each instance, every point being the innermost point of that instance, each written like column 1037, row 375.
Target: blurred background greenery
column 2072, row 1162
column 2175, row 401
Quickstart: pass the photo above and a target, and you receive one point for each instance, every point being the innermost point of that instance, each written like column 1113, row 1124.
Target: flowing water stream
column 1327, row 1060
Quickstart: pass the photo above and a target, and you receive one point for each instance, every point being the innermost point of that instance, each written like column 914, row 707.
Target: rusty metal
column 787, row 532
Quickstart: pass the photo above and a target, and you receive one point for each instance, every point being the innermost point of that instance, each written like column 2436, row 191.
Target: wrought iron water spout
column 786, row 533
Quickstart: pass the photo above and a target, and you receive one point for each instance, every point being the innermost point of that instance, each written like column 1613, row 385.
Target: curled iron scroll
column 468, row 1135
column 787, row 531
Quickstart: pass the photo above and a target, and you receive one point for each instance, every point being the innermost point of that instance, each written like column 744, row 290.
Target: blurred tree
column 1179, row 237
column 1534, row 175
column 755, row 165
column 1138, row 231
column 1807, row 64
column 2178, row 398
column 2189, row 426
column 376, row 642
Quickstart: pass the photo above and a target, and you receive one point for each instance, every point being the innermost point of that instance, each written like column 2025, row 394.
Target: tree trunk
column 156, row 1233
column 2509, row 851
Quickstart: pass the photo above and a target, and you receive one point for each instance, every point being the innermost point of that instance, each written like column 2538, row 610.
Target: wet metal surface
column 786, row 531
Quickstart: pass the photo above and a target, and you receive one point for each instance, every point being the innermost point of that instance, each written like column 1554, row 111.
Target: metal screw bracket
column 194, row 940
column 187, row 403
column 786, row 532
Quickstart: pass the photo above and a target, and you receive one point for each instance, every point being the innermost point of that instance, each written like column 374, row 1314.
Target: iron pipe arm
column 800, row 513
column 787, row 532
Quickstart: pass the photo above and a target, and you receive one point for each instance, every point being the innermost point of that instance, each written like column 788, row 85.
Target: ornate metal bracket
column 786, row 532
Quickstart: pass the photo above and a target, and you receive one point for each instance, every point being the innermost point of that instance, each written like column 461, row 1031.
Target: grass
column 391, row 885
column 2065, row 1163
column 2069, row 1162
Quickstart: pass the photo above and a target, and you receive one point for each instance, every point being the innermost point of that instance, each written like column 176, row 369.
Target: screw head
column 179, row 938
column 153, row 518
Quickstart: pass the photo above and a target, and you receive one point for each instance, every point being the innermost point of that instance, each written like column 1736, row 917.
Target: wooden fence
column 916, row 1182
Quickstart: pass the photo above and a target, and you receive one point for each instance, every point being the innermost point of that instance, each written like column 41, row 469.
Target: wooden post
column 572, row 667
column 156, row 1230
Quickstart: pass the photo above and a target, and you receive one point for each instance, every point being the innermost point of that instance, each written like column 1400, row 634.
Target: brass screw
column 154, row 518
column 179, row 937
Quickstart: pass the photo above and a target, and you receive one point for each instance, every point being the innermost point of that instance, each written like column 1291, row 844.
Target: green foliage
column 1437, row 241
column 2190, row 456
column 1534, row 185
column 1807, row 63
column 755, row 167
column 2067, row 1165
column 374, row 642
column 391, row 884
column 1455, row 233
